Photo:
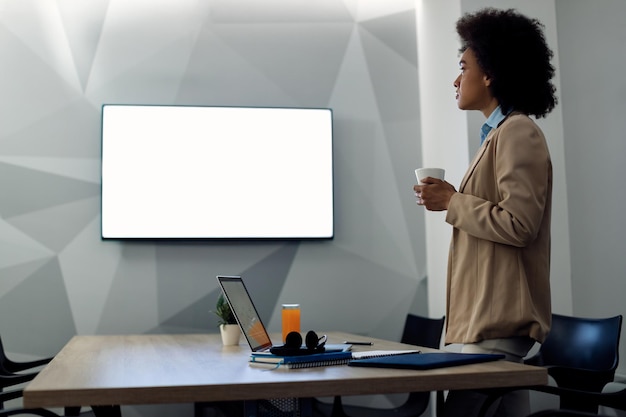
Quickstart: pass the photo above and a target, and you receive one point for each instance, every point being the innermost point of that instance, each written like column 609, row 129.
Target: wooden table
column 105, row 371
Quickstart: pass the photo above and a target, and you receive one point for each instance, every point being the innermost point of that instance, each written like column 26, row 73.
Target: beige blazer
column 499, row 263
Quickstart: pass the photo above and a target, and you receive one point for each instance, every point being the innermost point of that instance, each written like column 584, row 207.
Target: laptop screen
column 246, row 314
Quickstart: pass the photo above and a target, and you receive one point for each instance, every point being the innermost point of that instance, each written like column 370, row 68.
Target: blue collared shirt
column 492, row 122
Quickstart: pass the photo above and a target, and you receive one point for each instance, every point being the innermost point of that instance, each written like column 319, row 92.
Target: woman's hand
column 434, row 194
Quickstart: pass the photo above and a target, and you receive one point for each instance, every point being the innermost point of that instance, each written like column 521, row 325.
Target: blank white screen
column 216, row 172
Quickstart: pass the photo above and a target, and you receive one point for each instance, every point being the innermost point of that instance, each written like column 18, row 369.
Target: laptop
column 245, row 312
column 247, row 316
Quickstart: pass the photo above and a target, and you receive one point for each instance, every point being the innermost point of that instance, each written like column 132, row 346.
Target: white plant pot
column 230, row 334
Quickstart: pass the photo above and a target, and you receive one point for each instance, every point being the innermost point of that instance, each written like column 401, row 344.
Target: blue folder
column 426, row 360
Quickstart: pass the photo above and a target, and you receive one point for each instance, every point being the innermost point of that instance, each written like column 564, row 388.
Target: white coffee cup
column 421, row 173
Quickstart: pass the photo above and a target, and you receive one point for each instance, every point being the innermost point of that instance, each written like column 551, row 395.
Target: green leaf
column 223, row 311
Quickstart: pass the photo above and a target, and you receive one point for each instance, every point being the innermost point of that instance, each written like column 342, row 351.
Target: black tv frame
column 324, row 113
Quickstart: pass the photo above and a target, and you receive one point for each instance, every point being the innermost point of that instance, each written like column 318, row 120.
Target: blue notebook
column 296, row 362
column 315, row 357
column 426, row 360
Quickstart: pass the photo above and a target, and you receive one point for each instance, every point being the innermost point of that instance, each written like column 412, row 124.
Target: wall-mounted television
column 207, row 172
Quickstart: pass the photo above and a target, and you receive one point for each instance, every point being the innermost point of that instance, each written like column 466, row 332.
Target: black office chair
column 11, row 367
column 13, row 394
column 11, row 380
column 612, row 396
column 12, row 373
column 581, row 355
column 421, row 331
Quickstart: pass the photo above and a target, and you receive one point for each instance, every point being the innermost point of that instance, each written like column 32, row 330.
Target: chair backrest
column 422, row 331
column 581, row 353
column 583, row 343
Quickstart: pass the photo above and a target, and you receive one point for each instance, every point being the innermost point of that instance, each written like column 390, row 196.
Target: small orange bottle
column 291, row 319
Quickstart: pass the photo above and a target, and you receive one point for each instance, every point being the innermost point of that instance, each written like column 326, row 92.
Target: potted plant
column 228, row 324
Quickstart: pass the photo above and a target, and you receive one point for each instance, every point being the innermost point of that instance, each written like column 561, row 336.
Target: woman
column 498, row 289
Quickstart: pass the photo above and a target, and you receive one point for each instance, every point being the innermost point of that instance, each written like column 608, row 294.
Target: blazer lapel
column 481, row 151
column 477, row 157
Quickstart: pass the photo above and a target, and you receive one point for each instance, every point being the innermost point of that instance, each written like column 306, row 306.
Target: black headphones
column 293, row 345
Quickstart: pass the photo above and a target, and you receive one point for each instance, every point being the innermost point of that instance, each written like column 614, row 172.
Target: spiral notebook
column 322, row 359
column 296, row 362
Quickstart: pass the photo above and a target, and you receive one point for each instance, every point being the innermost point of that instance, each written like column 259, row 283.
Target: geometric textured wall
column 62, row 60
